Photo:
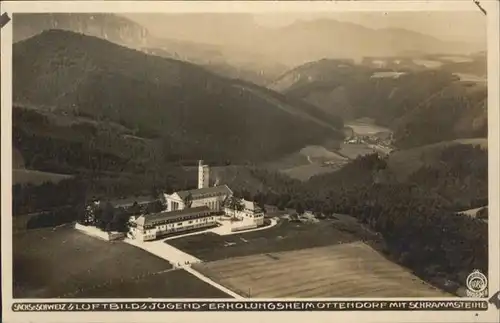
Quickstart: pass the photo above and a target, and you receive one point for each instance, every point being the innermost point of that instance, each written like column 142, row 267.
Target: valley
column 371, row 169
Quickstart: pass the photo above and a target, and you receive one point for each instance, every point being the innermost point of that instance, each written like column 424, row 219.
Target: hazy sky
column 465, row 26
column 461, row 26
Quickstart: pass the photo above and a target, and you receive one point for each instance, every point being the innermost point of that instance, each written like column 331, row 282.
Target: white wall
column 258, row 218
column 174, row 199
column 213, row 203
column 203, row 176
column 151, row 234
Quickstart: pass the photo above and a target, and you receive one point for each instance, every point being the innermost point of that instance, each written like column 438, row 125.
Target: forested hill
column 191, row 111
column 421, row 105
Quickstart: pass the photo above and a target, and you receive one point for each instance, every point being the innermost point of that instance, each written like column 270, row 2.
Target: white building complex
column 250, row 211
column 199, row 208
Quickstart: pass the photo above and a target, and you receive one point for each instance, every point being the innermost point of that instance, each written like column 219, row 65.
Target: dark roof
column 129, row 201
column 208, row 191
column 149, row 219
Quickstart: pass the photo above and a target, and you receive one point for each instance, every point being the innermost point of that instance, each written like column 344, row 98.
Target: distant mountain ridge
column 192, row 111
column 235, row 46
column 107, row 26
column 302, row 41
column 125, row 32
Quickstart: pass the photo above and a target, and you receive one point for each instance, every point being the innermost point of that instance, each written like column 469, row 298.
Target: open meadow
column 309, row 161
column 173, row 283
column 285, row 236
column 353, row 151
column 305, row 172
column 365, row 127
column 64, row 263
column 342, row 270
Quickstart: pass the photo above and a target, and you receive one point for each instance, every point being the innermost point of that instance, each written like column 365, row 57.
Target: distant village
column 381, row 142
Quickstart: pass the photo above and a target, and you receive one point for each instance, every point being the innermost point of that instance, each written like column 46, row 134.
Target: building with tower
column 203, row 207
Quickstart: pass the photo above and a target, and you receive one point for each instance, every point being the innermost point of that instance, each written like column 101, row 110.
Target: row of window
column 201, row 196
column 177, row 224
column 179, row 219
column 188, row 227
column 254, row 215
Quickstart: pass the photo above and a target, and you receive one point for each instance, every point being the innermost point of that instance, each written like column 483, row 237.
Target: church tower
column 203, row 175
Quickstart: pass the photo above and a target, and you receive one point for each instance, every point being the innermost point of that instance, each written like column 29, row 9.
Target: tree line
column 417, row 218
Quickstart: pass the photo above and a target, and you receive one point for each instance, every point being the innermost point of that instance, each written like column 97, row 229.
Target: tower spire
column 203, row 175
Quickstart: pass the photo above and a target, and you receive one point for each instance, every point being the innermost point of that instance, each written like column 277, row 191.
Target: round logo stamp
column 477, row 284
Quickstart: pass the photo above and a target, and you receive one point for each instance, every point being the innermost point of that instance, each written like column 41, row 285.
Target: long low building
column 153, row 226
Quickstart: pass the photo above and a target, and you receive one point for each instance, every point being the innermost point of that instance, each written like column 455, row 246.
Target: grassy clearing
column 176, row 283
column 366, row 126
column 307, row 162
column 352, row 151
column 62, row 262
column 342, row 270
column 471, row 212
column 293, row 160
column 427, row 63
column 471, row 78
column 320, row 154
column 305, row 172
column 285, row 236
column 25, row 176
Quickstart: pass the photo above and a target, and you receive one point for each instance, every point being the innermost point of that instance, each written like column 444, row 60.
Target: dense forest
column 189, row 110
column 108, row 217
column 72, row 148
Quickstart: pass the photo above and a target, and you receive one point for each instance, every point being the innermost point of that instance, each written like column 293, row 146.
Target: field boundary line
column 187, row 267
column 204, row 278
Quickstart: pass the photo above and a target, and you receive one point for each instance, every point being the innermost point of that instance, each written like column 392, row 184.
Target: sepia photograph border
column 492, row 314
